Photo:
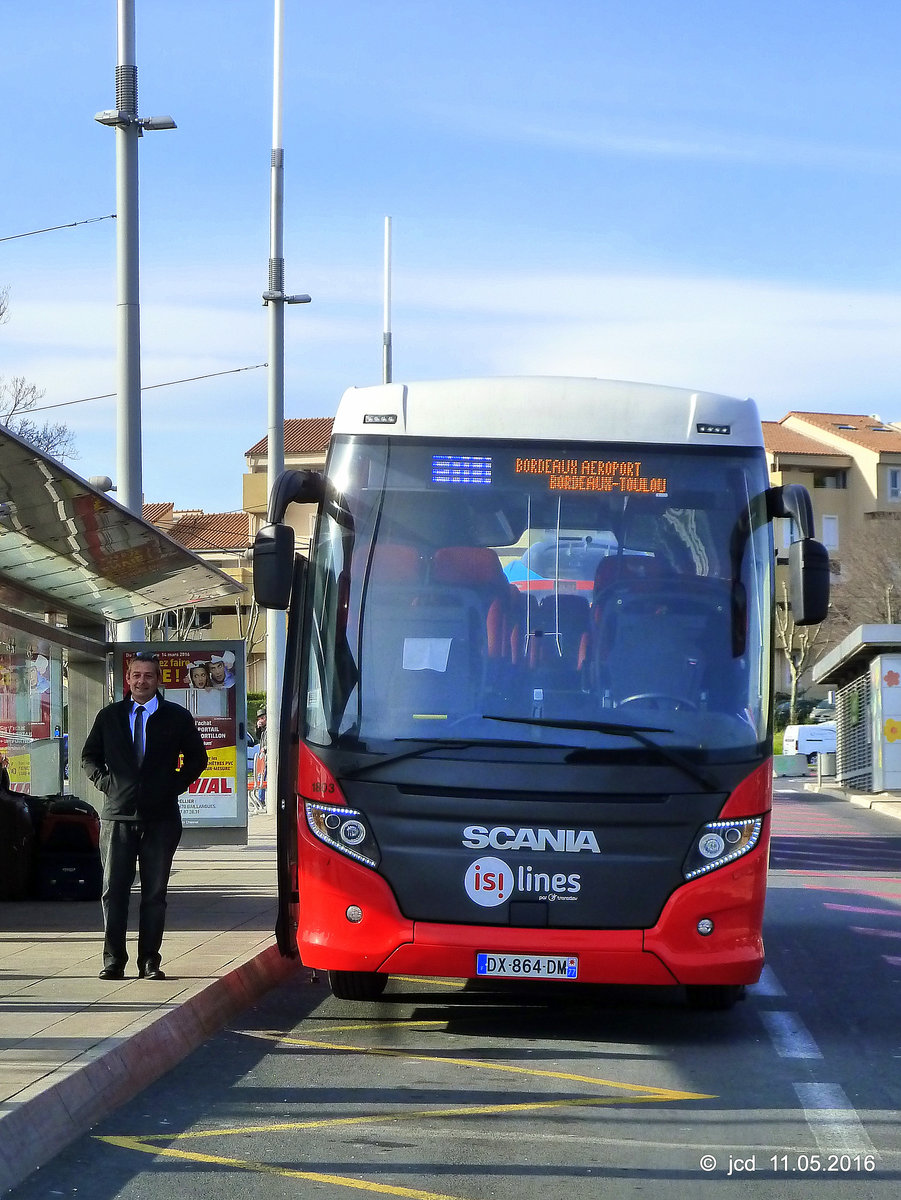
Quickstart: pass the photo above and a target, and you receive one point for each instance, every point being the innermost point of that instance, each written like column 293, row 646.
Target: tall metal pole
column 128, row 126
column 387, row 365
column 130, row 485
column 275, row 620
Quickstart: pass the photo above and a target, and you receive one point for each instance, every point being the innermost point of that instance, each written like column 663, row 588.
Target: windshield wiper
column 636, row 731
column 457, row 744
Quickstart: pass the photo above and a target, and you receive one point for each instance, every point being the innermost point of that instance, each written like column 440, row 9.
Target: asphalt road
column 558, row 1092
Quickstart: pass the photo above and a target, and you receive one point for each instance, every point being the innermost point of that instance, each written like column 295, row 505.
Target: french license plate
column 527, row 966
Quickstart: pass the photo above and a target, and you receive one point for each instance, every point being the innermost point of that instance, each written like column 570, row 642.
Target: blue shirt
column 150, row 707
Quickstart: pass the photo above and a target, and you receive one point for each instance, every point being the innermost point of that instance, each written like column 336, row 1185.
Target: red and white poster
column 25, row 696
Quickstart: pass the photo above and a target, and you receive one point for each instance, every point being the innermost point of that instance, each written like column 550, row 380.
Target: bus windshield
column 562, row 594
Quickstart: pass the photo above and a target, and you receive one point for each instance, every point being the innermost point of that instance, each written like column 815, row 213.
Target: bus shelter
column 865, row 671
column 73, row 562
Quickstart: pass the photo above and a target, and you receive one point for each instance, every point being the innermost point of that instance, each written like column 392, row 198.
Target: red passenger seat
column 478, row 569
column 394, row 564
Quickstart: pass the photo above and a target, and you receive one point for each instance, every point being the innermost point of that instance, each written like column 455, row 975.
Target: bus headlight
column 720, row 843
column 345, row 830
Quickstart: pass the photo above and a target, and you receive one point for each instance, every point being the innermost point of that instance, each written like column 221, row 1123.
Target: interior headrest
column 472, row 565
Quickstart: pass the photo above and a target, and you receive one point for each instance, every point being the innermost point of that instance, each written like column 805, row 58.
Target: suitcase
column 16, row 848
column 68, row 851
column 69, row 876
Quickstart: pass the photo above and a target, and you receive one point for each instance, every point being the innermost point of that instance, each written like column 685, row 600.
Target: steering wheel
column 654, row 699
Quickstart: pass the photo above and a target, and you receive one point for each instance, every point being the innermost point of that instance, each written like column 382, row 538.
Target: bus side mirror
column 793, row 501
column 273, row 566
column 808, row 567
column 294, row 487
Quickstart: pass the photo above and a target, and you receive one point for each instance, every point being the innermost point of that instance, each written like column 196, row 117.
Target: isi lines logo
column 490, row 881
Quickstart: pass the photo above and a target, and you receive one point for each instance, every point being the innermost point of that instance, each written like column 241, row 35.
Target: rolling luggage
column 16, row 848
column 68, row 851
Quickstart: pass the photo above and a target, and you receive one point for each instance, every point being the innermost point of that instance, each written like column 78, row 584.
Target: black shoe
column 148, row 972
column 112, row 973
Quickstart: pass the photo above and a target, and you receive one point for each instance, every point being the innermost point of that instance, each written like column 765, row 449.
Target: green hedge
column 255, row 701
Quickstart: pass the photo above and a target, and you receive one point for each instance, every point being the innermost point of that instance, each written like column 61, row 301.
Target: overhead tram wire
column 150, row 387
column 11, row 237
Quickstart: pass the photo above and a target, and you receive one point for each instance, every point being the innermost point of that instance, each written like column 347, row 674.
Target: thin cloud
column 603, row 135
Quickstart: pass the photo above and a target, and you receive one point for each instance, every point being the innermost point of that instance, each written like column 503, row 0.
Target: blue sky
column 696, row 192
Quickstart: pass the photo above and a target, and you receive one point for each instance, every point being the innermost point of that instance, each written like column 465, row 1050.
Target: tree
column 868, row 591
column 797, row 643
column 18, row 398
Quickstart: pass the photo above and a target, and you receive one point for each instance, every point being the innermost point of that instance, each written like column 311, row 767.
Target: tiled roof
column 780, row 440
column 303, row 435
column 156, row 513
column 866, row 431
column 201, row 531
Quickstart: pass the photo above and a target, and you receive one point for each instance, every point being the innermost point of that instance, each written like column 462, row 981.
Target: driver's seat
column 646, row 649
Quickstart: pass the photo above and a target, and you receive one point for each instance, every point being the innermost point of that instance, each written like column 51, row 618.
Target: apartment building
column 850, row 464
column 306, row 445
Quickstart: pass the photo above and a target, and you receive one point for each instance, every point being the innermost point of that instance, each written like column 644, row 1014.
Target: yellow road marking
column 641, row 1094
column 443, row 983
column 658, row 1093
column 362, row 1185
column 354, row 1026
column 471, row 1110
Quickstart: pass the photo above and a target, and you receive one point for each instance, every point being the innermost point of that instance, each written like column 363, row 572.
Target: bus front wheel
column 714, row 997
column 357, row 985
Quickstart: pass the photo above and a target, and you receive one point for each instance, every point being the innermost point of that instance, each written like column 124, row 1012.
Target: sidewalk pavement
column 74, row 1047
column 887, row 803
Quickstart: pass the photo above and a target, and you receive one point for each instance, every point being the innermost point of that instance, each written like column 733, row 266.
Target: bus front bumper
column 709, row 932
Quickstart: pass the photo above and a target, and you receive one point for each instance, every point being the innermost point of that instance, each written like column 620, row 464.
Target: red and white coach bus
column 527, row 730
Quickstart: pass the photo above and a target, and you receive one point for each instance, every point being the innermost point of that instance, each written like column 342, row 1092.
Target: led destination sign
column 592, row 475
column 461, row 469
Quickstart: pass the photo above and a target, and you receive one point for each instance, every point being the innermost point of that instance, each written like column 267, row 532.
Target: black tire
column 357, row 985
column 714, row 997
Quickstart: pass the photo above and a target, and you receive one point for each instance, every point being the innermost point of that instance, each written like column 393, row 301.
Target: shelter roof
column 69, row 548
column 851, row 658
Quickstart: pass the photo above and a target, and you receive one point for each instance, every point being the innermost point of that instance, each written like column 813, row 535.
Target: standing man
column 142, row 753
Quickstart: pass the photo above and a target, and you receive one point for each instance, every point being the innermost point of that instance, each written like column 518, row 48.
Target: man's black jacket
column 149, row 792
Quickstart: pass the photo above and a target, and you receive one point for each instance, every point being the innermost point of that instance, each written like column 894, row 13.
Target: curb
column 887, row 803
column 47, row 1119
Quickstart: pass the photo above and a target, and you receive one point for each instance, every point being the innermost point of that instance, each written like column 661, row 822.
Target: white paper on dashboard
column 426, row 654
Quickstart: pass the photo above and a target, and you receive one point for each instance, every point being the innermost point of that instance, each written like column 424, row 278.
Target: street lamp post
column 276, row 299
column 129, row 127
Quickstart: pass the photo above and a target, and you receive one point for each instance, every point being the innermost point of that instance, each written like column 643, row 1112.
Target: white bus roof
column 549, row 408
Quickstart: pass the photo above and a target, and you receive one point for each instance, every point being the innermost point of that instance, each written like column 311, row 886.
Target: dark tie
column 139, row 733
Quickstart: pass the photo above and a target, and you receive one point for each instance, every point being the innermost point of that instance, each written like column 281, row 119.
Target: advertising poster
column 18, row 767
column 207, row 680
column 25, row 695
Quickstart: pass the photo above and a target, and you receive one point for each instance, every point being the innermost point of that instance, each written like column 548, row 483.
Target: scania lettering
column 527, row 714
column 568, row 841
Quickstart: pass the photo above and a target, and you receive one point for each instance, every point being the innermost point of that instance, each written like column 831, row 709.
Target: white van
column 809, row 739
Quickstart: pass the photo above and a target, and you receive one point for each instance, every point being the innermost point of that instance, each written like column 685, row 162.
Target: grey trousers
column 125, row 847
